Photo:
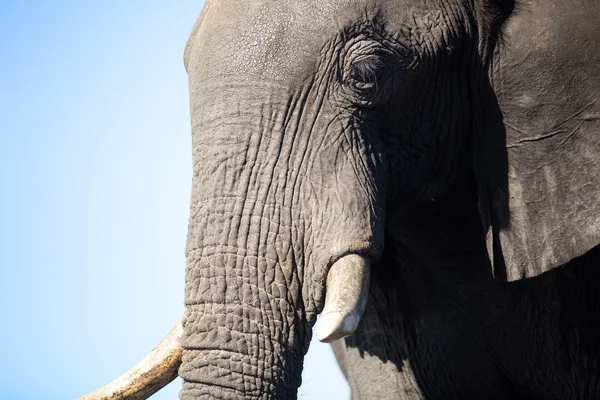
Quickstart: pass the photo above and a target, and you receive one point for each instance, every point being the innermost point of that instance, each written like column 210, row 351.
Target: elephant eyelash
column 365, row 69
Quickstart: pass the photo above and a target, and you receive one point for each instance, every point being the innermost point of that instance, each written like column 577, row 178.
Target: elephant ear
column 541, row 193
column 491, row 16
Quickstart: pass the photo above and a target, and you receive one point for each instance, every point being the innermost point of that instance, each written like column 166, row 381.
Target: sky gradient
column 95, row 175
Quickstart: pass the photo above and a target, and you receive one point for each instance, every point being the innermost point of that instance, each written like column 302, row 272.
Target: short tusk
column 152, row 373
column 346, row 297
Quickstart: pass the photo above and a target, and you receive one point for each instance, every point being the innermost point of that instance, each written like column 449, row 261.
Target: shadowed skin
column 401, row 131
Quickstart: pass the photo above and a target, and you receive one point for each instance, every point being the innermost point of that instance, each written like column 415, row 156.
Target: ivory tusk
column 153, row 373
column 346, row 297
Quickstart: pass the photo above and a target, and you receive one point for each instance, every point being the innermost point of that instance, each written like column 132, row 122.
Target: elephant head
column 341, row 149
column 320, row 131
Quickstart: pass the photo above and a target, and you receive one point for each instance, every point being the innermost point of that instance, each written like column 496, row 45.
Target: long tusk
column 152, row 373
column 346, row 297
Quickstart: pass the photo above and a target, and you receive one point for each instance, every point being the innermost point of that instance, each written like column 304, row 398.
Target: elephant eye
column 364, row 71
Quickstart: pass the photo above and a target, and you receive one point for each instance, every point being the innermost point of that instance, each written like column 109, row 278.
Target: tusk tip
column 333, row 326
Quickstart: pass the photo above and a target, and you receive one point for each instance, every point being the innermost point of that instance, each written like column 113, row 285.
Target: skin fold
column 453, row 144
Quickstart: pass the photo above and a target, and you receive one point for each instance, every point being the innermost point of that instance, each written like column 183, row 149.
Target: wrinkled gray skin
column 405, row 131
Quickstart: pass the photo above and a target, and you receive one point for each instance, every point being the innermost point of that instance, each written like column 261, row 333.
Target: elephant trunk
column 245, row 331
column 238, row 351
column 242, row 349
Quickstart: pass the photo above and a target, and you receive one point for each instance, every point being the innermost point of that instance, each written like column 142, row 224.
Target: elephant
column 424, row 174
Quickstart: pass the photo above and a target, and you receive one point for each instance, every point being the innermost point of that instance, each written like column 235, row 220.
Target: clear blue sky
column 95, row 170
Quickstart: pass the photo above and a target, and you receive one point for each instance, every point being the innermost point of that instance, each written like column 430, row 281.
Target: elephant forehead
column 271, row 39
column 283, row 40
column 277, row 43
